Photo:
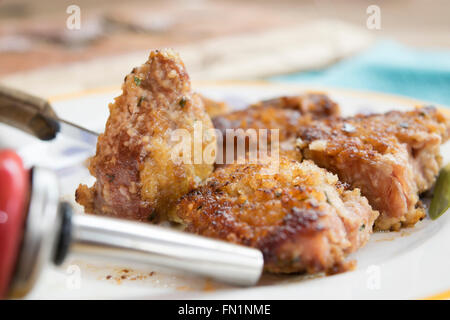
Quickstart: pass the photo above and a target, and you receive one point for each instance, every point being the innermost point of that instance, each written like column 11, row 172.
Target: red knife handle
column 14, row 193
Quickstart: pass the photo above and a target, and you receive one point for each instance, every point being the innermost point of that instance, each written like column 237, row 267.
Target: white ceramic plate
column 412, row 263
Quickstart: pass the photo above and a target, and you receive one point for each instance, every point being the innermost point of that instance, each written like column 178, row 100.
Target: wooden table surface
column 33, row 33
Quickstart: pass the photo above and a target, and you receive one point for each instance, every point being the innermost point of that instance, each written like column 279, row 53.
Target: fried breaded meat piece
column 285, row 113
column 318, row 104
column 214, row 108
column 281, row 113
column 391, row 157
column 302, row 218
column 137, row 177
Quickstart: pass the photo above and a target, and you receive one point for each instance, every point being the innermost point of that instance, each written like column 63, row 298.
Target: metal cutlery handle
column 52, row 233
column 28, row 113
column 119, row 240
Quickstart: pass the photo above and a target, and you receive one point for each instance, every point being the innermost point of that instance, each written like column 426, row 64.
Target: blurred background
column 54, row 47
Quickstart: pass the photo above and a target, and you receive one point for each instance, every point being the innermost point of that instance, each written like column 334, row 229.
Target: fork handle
column 28, row 113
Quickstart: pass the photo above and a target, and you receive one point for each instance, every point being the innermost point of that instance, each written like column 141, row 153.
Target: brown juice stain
column 118, row 276
column 405, row 233
column 154, row 278
column 385, row 239
column 160, row 279
column 184, row 288
column 209, row 286
column 395, row 235
column 269, row 279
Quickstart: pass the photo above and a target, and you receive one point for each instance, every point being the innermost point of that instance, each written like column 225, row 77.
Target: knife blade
column 76, row 132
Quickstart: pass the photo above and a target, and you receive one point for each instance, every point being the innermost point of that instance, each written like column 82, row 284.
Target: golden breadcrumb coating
column 214, row 108
column 318, row 104
column 136, row 175
column 301, row 218
column 285, row 114
column 391, row 157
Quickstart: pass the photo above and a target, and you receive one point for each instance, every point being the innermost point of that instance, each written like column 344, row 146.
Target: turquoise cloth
column 387, row 67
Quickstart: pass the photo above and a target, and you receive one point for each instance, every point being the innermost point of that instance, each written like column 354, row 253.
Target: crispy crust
column 214, row 108
column 136, row 176
column 318, row 104
column 301, row 218
column 391, row 157
column 284, row 113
